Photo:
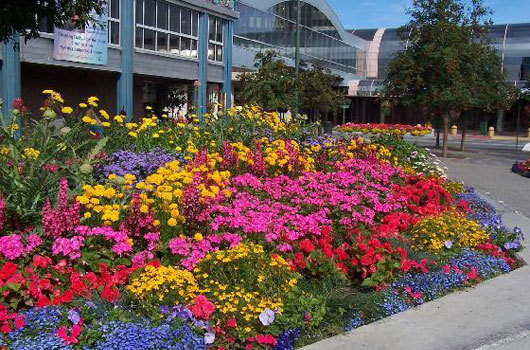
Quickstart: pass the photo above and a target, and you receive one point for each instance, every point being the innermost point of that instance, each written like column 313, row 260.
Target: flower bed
column 385, row 129
column 239, row 232
column 522, row 168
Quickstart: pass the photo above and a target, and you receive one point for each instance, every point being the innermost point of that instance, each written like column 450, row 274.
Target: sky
column 359, row 14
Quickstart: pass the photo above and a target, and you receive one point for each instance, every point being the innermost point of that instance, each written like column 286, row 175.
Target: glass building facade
column 275, row 28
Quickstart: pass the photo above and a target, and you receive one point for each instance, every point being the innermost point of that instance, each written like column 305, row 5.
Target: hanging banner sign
column 85, row 45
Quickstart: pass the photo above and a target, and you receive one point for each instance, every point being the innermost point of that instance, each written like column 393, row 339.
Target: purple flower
column 164, row 309
column 448, row 244
column 73, row 316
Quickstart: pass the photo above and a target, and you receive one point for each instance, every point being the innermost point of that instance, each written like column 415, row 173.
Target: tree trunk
column 437, row 137
column 464, row 130
column 445, row 145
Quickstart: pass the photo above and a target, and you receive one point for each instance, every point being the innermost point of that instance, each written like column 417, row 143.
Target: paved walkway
column 494, row 315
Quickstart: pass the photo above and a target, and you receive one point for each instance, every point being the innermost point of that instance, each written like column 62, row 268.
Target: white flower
column 209, row 338
column 448, row 244
column 267, row 317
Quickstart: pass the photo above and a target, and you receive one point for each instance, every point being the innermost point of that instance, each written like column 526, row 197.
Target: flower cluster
column 396, row 129
column 448, row 230
column 139, row 164
column 522, row 168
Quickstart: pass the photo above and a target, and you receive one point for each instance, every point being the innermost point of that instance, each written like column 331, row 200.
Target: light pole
column 297, row 55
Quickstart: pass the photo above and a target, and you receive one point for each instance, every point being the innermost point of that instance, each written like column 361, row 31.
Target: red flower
column 19, row 323
column 231, row 323
column 202, row 308
column 43, row 301
column 406, row 265
column 307, row 246
column 472, row 274
column 110, row 294
column 7, row 270
column 40, row 261
column 266, row 339
column 6, row 328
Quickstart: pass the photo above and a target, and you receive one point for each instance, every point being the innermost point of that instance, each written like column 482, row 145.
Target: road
column 486, row 166
column 502, row 148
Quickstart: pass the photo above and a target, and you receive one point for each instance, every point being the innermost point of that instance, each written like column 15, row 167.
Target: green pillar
column 10, row 75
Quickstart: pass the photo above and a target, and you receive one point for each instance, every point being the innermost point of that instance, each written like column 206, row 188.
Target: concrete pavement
column 494, row 315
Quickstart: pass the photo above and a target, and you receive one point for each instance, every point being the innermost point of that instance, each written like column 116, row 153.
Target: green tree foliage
column 272, row 86
column 318, row 91
column 22, row 17
column 448, row 66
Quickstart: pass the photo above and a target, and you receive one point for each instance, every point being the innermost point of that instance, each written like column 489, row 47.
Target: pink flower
column 62, row 219
column 70, row 247
column 179, row 246
column 12, row 247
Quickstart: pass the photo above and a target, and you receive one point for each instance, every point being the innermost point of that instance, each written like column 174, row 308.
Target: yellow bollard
column 491, row 131
column 454, row 130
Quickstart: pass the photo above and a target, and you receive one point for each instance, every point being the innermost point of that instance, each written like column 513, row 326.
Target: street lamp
column 297, row 54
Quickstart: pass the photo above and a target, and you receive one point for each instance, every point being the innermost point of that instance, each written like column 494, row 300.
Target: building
column 512, row 42
column 162, row 50
column 155, row 49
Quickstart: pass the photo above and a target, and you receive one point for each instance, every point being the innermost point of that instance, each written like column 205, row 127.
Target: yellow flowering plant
column 163, row 285
column 243, row 282
column 450, row 230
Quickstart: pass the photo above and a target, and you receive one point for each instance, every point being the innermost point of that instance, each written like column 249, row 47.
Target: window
column 525, row 68
column 166, row 27
column 113, row 7
column 215, row 39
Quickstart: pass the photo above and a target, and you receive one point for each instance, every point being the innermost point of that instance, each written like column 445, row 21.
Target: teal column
column 124, row 90
column 10, row 75
column 228, row 36
column 203, row 66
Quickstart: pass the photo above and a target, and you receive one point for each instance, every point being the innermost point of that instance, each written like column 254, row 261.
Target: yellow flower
column 172, row 222
column 105, row 124
column 132, row 133
column 87, row 215
column 198, row 237
column 118, row 119
column 67, row 110
column 31, row 153
column 83, row 105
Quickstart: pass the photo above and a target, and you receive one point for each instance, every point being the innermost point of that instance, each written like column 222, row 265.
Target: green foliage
column 272, row 85
column 23, row 17
column 318, row 91
column 275, row 86
column 448, row 66
column 32, row 164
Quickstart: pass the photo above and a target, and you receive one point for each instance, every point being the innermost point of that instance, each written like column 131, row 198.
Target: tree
column 488, row 86
column 318, row 91
column 22, row 17
column 446, row 64
column 272, row 85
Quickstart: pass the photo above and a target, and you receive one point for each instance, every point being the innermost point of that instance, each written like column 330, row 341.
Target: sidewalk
column 494, row 315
